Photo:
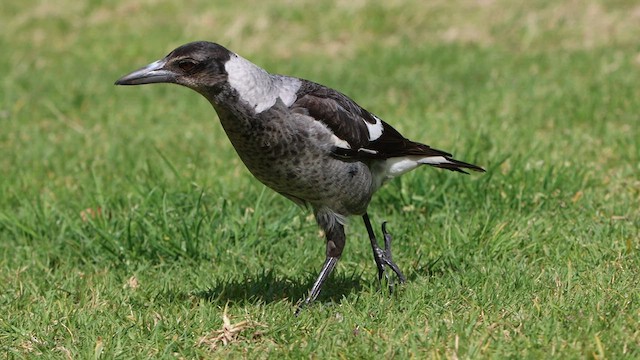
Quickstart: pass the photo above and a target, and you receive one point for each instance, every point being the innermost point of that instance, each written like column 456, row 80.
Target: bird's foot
column 383, row 258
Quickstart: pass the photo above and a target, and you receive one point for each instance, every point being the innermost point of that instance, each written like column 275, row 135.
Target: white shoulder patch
column 257, row 87
column 375, row 130
column 287, row 88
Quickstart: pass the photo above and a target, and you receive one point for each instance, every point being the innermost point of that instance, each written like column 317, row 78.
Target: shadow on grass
column 269, row 286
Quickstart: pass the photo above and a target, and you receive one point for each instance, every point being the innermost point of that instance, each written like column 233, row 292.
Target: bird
column 310, row 143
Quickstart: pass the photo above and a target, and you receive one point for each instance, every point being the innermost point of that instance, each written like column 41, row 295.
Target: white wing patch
column 339, row 142
column 257, row 87
column 375, row 130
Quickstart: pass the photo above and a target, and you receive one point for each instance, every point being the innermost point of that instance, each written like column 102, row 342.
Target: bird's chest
column 262, row 138
column 272, row 147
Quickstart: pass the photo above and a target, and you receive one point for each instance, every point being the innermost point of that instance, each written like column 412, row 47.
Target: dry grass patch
column 231, row 333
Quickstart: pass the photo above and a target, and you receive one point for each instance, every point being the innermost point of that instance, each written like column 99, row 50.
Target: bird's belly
column 316, row 178
column 306, row 173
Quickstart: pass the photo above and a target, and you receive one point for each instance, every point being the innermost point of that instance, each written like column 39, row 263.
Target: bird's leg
column 335, row 244
column 381, row 256
column 328, row 266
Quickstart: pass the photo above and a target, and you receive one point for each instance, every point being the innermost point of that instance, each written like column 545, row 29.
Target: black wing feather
column 347, row 121
column 339, row 113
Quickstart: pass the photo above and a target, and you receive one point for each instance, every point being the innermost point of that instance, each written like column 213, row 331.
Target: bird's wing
column 359, row 134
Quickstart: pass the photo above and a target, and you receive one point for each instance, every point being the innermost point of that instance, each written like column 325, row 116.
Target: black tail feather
column 457, row 165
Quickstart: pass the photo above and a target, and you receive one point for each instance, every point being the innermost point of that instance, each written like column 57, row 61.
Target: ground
column 129, row 227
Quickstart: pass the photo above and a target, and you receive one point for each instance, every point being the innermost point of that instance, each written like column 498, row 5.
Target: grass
column 129, row 227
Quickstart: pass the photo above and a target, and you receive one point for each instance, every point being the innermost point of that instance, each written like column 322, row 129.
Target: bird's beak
column 150, row 74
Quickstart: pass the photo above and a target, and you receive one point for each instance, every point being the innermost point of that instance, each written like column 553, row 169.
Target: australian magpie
column 310, row 143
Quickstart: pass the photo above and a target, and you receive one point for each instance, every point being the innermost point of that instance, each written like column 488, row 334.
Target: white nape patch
column 375, row 130
column 393, row 167
column 257, row 87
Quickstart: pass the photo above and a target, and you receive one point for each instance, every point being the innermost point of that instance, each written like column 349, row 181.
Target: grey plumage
column 308, row 142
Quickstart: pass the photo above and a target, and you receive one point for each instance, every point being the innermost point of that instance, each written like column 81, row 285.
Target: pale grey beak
column 152, row 73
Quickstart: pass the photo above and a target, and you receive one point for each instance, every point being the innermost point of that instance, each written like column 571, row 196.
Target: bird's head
column 197, row 65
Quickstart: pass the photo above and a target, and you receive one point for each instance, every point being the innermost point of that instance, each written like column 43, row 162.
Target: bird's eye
column 186, row 65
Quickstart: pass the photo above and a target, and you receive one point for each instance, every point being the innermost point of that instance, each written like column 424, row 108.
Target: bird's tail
column 449, row 163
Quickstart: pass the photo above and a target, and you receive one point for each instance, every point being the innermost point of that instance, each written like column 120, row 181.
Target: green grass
column 128, row 224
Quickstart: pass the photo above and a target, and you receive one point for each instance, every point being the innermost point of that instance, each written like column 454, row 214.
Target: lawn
column 129, row 228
